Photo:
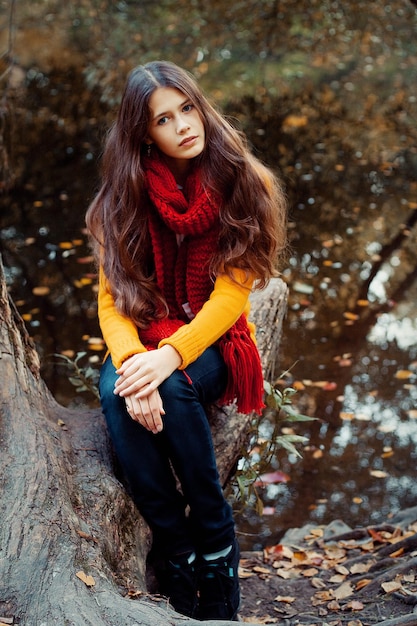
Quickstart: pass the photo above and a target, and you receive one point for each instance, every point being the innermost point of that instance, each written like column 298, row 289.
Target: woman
column 185, row 224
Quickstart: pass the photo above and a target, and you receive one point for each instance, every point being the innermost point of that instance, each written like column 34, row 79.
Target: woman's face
column 176, row 127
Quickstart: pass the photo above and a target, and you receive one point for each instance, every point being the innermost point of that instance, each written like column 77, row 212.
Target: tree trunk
column 64, row 515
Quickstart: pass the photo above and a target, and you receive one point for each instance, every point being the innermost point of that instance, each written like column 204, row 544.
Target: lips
column 188, row 140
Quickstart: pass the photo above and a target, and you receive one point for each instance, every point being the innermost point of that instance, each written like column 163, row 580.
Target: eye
column 163, row 120
column 188, row 107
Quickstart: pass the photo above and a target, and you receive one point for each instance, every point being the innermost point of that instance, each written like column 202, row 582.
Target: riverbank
column 334, row 575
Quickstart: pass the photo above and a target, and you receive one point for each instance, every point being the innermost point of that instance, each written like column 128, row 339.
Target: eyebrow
column 166, row 112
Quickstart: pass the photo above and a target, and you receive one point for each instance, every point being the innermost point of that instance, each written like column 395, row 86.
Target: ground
column 335, row 576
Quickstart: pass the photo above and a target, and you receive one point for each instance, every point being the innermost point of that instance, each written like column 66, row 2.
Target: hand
column 147, row 412
column 142, row 373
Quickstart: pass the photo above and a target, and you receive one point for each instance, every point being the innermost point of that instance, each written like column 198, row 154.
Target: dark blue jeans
column 184, row 444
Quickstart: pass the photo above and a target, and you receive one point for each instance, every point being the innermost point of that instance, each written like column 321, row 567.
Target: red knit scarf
column 182, row 274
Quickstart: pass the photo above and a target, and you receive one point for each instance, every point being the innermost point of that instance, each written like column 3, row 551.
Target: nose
column 182, row 125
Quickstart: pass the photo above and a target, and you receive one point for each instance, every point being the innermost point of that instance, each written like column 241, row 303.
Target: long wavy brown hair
column 252, row 213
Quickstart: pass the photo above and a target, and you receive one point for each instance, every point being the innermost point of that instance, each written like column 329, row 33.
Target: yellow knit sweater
column 228, row 300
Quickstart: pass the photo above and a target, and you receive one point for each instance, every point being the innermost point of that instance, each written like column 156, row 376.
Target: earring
column 149, row 149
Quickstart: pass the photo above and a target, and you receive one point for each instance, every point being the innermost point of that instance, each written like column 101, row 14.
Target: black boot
column 218, row 584
column 178, row 582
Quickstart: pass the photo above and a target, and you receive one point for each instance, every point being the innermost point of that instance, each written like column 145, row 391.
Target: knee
column 177, row 386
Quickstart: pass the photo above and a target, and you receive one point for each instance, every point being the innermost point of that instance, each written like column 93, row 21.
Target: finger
column 127, row 386
column 147, row 413
column 147, row 388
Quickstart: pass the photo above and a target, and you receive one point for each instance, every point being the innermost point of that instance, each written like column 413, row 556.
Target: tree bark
column 64, row 514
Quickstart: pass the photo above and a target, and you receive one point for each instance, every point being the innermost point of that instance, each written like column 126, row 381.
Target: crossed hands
column 139, row 378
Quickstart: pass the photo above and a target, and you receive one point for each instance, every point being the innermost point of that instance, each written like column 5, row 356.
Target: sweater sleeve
column 119, row 333
column 228, row 300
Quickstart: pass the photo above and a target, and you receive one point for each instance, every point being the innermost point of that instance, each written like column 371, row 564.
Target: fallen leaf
column 399, row 552
column 389, row 587
column 337, row 578
column 87, row 580
column 280, row 550
column 309, row 573
column 362, row 583
column 244, row 573
column 409, row 578
column 324, row 596
column 268, row 510
column 298, row 385
column 40, row 291
column 271, row 478
column 360, row 568
column 387, row 454
column 303, row 288
column 348, row 315
column 344, row 591
column 333, row 605
column 403, row 374
column 335, row 553
column 376, row 536
column 294, row 121
column 329, row 386
column 286, row 599
column 261, row 570
column 378, row 474
column 354, row 605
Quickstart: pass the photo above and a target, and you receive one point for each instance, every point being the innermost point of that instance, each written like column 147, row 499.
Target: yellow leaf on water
column 350, row 316
column 40, row 291
column 295, row 121
column 403, row 374
column 87, row 580
column 378, row 474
